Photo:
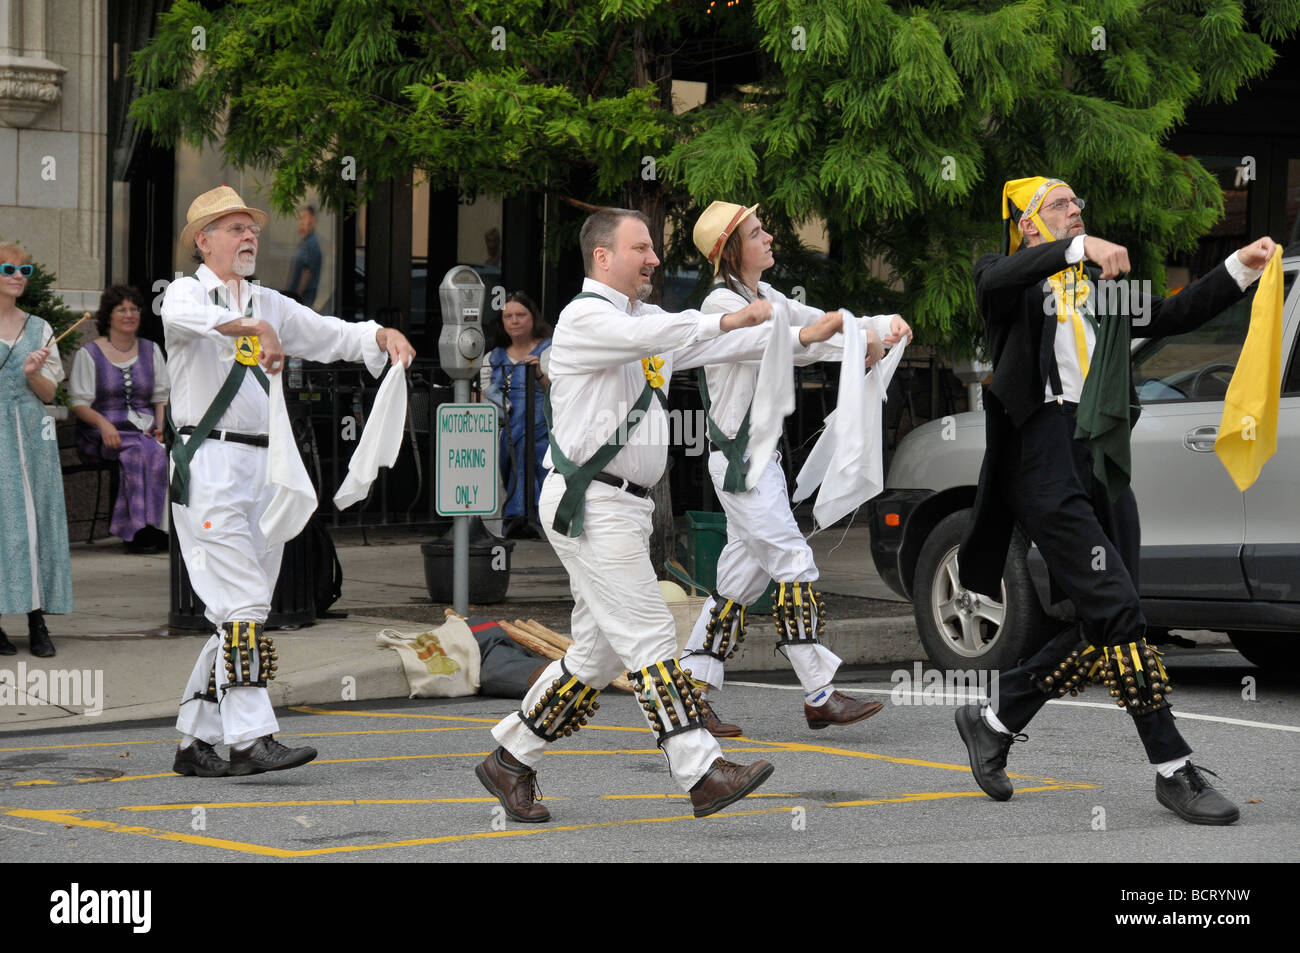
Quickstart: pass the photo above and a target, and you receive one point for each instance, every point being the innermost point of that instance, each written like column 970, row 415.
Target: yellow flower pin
column 652, row 366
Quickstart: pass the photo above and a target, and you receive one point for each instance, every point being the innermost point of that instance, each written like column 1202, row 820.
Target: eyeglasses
column 9, row 270
column 1060, row 205
column 239, row 230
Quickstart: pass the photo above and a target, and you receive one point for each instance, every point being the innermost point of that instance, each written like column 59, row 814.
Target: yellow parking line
column 357, row 802
column 311, row 710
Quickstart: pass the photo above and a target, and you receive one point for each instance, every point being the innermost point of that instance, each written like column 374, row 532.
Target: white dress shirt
column 201, row 356
column 596, row 373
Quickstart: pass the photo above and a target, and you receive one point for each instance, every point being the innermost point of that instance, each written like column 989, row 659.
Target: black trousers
column 1091, row 547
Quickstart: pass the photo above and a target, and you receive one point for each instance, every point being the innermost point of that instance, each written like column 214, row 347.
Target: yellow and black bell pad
column 1132, row 672
column 799, row 614
column 725, row 630
column 670, row 699
column 249, row 655
column 247, row 348
column 563, row 708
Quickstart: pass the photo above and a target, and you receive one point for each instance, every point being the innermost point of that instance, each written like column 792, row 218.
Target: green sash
column 569, row 514
column 734, row 448
column 183, row 450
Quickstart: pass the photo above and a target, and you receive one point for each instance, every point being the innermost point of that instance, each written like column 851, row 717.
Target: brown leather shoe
column 514, row 785
column 839, row 709
column 725, row 783
column 715, row 726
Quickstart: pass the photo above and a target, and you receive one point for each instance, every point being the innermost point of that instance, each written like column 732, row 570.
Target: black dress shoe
column 267, row 754
column 38, row 637
column 200, row 760
column 1193, row 798
column 988, row 752
column 7, row 647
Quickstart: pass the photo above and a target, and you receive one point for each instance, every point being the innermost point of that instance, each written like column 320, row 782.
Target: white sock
column 820, row 697
column 186, row 741
column 243, row 745
column 1166, row 769
column 991, row 720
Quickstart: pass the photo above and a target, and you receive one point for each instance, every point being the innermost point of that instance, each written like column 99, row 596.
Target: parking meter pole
column 460, row 352
column 460, row 543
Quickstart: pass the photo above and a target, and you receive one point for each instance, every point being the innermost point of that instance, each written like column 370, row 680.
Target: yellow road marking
column 311, row 710
column 212, row 806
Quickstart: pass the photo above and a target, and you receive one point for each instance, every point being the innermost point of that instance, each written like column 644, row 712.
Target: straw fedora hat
column 715, row 226
column 212, row 205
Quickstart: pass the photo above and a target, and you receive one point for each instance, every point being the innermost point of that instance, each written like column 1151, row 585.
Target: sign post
column 466, row 481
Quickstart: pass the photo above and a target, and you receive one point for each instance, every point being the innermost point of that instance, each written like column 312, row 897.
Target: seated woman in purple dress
column 118, row 390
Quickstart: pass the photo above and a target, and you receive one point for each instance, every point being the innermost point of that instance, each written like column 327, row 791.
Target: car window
column 1198, row 365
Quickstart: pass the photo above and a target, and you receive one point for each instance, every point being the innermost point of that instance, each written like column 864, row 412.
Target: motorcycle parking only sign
column 467, row 460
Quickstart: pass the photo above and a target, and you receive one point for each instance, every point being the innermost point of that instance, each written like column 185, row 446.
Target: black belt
column 625, row 485
column 253, row 440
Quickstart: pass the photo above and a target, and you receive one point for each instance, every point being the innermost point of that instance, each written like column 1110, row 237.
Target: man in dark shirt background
column 304, row 269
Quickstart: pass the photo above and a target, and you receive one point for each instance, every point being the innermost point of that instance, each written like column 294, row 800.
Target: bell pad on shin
column 670, row 699
column 563, row 707
column 1132, row 672
column 799, row 614
column 249, row 655
column 725, row 630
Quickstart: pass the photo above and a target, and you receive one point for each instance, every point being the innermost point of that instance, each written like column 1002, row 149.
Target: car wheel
column 961, row 629
column 1272, row 650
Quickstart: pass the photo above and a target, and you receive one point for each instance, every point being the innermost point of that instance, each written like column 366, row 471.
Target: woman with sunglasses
column 35, row 574
column 118, row 389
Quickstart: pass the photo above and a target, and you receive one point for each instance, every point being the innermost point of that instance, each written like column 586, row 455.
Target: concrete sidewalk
column 119, row 638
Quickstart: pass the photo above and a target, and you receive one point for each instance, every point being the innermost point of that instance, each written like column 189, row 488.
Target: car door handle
column 1201, row 439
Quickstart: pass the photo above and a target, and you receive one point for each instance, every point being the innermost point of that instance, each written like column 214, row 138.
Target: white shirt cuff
column 374, row 356
column 1074, row 254
column 711, row 326
column 1243, row 275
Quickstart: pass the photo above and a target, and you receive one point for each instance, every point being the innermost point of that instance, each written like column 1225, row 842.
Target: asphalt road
column 395, row 781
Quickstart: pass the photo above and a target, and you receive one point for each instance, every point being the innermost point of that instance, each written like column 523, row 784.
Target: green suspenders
column 569, row 514
column 183, row 450
column 734, row 448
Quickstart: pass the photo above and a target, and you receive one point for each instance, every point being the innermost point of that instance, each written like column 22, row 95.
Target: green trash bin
column 707, row 534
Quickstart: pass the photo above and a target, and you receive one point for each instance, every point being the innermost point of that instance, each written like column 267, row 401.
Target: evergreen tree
column 896, row 123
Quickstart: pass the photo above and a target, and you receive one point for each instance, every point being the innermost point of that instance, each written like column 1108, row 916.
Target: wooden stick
column 533, row 627
column 532, row 642
column 80, row 321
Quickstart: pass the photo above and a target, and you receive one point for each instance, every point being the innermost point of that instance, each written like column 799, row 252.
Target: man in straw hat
column 763, row 540
column 224, row 336
column 1056, row 463
column 613, row 352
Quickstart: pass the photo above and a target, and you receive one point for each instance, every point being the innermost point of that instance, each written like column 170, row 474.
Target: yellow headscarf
column 1023, row 198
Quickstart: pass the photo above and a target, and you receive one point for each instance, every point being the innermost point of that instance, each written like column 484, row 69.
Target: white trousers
column 763, row 543
column 233, row 571
column 620, row 622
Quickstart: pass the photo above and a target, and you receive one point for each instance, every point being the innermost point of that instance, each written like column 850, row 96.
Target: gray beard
column 244, row 270
column 644, row 291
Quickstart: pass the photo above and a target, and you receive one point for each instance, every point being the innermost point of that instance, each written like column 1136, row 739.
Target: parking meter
column 461, row 343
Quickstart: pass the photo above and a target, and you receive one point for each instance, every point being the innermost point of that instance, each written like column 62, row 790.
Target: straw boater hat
column 212, row 205
column 715, row 227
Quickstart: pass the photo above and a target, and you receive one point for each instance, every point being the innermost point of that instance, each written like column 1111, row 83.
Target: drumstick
column 79, row 322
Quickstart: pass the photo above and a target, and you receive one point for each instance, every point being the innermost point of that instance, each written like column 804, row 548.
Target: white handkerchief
column 380, row 440
column 295, row 497
column 773, row 397
column 847, row 461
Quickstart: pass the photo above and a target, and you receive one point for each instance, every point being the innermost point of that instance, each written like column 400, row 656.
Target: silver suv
column 1212, row 557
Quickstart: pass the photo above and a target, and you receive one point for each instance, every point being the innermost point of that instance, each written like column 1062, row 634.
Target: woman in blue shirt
column 519, row 360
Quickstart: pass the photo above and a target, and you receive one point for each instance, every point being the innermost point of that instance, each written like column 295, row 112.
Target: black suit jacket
column 1010, row 291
